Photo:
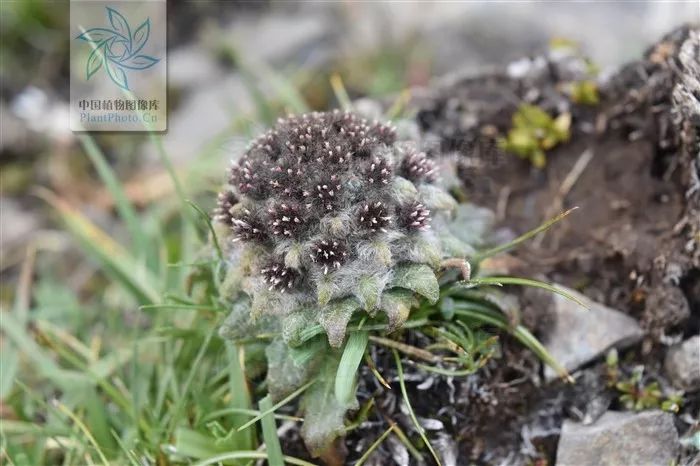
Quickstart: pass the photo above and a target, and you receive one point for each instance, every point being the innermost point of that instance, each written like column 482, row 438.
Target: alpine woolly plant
column 333, row 226
column 332, row 214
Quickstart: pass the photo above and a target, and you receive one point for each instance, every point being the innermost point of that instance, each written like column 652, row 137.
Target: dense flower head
column 329, row 205
column 224, row 205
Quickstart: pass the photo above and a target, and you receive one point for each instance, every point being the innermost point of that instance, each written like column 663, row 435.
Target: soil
column 632, row 244
column 626, row 246
column 631, row 167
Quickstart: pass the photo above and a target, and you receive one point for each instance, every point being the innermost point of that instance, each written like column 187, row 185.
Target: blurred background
column 225, row 55
column 234, row 67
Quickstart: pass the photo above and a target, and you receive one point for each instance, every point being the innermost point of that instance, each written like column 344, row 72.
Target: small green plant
column 585, row 92
column 336, row 236
column 534, row 132
column 637, row 392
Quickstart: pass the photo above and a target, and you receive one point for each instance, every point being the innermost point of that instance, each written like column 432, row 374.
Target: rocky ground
column 632, row 249
column 631, row 252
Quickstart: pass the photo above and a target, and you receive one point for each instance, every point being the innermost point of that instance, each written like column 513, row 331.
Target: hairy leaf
column 334, row 319
column 397, row 305
column 323, row 412
column 283, row 374
column 368, row 291
column 419, row 278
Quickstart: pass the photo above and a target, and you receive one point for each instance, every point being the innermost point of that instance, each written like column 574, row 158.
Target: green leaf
column 97, row 421
column 532, row 116
column 334, row 319
column 9, row 361
column 246, row 455
column 341, row 94
column 480, row 313
column 269, row 430
column 116, row 190
column 471, row 223
column 522, row 238
column 44, row 364
column 397, row 305
column 411, row 413
column 195, row 444
column 324, row 291
column 111, row 256
column 210, row 226
column 324, row 415
column 368, row 291
column 281, row 403
column 418, row 278
column 295, row 326
column 436, row 199
column 283, row 374
column 312, row 349
column 347, row 369
column 499, row 281
column 240, row 397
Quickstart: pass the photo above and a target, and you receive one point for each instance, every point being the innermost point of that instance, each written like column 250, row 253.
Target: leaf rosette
column 335, row 216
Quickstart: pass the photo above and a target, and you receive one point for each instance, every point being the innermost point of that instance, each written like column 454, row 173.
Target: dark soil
column 627, row 245
column 631, row 245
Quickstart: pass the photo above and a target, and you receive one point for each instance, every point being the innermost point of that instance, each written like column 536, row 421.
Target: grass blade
column 412, row 414
column 188, row 307
column 240, row 396
column 180, row 405
column 124, row 207
column 214, row 237
column 349, row 362
column 248, row 455
column 289, row 398
column 63, row 409
column 522, row 238
column 519, row 332
column 157, row 140
column 247, row 413
column 113, row 258
column 283, row 88
column 341, row 94
column 45, row 365
column 399, row 106
column 375, row 445
column 500, row 281
column 269, row 430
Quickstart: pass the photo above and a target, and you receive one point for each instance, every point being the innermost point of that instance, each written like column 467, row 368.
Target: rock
column 682, row 364
column 191, row 66
column 578, row 336
column 648, row 438
column 19, row 225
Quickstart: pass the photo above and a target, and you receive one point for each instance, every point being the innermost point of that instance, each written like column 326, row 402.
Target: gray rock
column 682, row 364
column 18, row 225
column 191, row 66
column 578, row 336
column 648, row 438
